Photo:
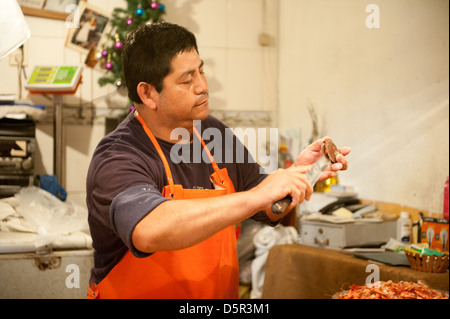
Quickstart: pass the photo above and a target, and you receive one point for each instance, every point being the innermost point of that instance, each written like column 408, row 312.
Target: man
column 164, row 228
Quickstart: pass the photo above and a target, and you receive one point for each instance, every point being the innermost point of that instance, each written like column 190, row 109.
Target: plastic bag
column 264, row 240
column 49, row 217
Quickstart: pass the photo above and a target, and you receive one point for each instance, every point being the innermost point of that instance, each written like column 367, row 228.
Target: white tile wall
column 384, row 92
column 244, row 78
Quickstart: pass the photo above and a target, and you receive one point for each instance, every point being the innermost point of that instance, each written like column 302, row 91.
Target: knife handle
column 280, row 206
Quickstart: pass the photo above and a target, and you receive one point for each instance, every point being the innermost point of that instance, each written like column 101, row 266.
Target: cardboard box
column 435, row 232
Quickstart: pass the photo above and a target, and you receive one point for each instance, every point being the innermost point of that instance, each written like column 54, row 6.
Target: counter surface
column 305, row 272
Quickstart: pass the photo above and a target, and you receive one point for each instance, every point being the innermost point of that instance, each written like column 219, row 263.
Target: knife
column 330, row 152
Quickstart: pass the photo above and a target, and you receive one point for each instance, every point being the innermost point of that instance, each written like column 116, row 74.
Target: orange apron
column 206, row 270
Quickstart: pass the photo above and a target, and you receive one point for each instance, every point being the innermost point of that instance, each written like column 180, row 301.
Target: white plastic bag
column 264, row 240
column 48, row 216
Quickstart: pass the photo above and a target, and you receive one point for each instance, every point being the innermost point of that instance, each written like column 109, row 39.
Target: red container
column 446, row 200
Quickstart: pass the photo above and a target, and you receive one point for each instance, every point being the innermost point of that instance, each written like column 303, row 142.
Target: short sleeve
column 129, row 207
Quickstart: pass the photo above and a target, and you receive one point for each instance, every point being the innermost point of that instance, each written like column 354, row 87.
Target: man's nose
column 201, row 85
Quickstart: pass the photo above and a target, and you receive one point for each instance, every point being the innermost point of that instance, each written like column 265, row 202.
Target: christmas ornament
column 118, row 44
column 119, row 83
column 124, row 20
column 139, row 11
column 109, row 66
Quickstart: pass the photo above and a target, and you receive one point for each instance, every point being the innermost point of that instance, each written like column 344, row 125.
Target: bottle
column 284, row 157
column 446, row 199
column 404, row 228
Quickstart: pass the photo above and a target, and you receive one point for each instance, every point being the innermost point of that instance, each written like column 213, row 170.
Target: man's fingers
column 345, row 150
column 303, row 189
column 302, row 169
column 343, row 161
column 336, row 167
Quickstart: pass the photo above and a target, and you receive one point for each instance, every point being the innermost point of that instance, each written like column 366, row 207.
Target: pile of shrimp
column 392, row 290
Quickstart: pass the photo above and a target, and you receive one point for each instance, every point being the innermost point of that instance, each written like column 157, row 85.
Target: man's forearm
column 179, row 224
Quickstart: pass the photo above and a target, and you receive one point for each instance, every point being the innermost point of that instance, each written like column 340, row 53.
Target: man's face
column 184, row 97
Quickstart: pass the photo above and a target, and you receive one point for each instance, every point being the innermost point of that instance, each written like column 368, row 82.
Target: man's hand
column 281, row 183
column 314, row 151
column 293, row 182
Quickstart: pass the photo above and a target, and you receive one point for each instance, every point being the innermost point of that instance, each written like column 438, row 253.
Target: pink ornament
column 105, row 53
column 109, row 66
column 154, row 5
column 129, row 22
column 118, row 45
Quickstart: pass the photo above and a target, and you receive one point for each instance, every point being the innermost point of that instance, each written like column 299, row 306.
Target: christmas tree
column 123, row 21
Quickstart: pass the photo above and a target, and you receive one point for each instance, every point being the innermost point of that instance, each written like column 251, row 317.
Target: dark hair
column 148, row 52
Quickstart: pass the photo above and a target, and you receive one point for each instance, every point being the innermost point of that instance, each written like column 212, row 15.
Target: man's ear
column 148, row 94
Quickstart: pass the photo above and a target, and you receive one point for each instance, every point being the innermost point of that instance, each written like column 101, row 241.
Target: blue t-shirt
column 126, row 177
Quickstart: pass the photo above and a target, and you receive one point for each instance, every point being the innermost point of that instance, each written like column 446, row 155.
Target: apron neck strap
column 163, row 157
column 211, row 158
column 160, row 152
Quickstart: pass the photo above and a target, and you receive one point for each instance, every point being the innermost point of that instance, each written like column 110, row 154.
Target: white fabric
column 264, row 240
column 21, row 111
